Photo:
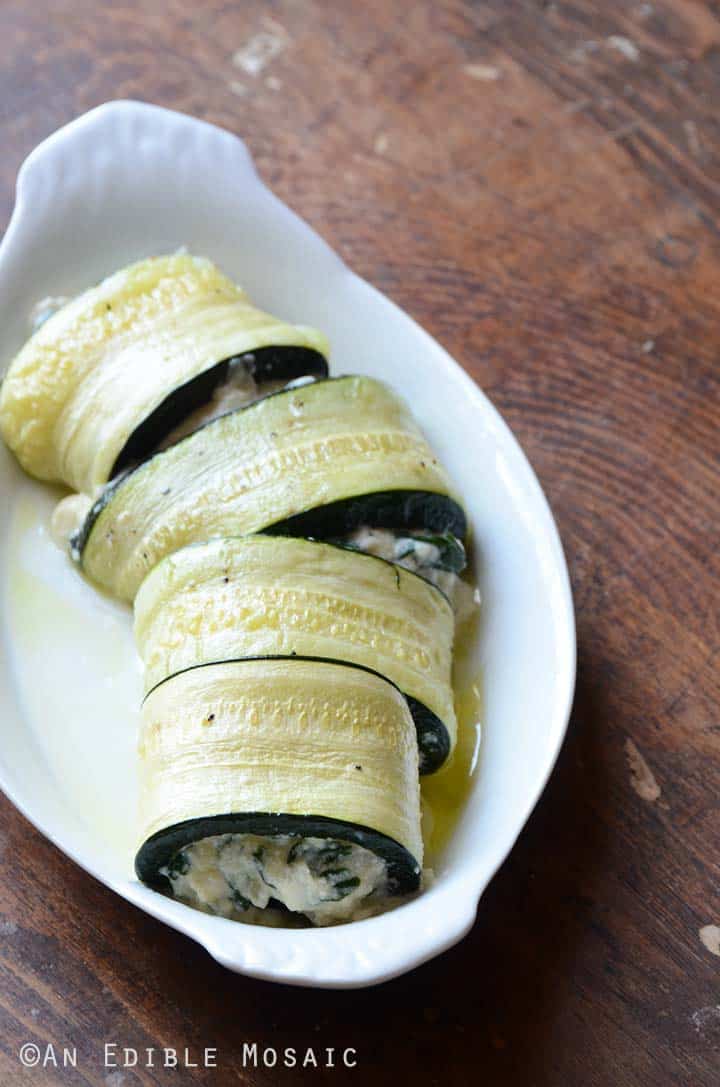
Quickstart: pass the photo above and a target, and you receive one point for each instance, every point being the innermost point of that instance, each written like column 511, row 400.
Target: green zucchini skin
column 438, row 513
column 384, row 509
column 161, row 847
column 433, row 736
column 81, row 537
column 265, row 364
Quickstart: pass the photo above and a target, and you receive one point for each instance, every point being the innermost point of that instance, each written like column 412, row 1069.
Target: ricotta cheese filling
column 326, row 880
column 437, row 559
column 45, row 308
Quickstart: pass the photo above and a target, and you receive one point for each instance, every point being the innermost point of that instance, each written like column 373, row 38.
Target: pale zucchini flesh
column 262, row 596
column 104, row 363
column 337, row 448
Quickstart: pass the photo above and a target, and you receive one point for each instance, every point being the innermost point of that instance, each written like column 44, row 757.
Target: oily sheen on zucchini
column 265, row 596
column 316, row 460
column 284, row 752
column 105, row 378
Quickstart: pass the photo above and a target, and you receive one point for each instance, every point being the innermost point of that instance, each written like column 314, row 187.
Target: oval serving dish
column 128, row 180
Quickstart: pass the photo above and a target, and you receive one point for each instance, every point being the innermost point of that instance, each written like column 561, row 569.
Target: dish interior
column 94, row 198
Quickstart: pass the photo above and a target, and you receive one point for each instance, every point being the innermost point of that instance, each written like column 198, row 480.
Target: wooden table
column 539, row 185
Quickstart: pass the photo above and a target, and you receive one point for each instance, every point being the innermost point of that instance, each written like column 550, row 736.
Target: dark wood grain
column 539, row 184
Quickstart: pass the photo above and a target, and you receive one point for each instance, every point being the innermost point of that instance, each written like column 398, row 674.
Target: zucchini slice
column 264, row 596
column 108, row 375
column 309, row 461
column 303, row 749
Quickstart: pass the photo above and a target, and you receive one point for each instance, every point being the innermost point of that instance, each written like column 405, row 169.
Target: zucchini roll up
column 265, row 596
column 317, row 461
column 108, row 377
column 279, row 783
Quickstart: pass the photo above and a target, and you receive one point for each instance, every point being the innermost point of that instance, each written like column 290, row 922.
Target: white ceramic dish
column 125, row 181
